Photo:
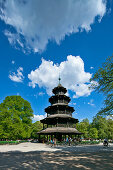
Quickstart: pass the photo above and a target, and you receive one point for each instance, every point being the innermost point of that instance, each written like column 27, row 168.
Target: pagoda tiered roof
column 61, row 118
column 59, row 106
column 59, row 88
column 62, row 130
column 52, row 99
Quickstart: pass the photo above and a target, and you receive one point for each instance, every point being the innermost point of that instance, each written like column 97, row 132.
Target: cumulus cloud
column 35, row 22
column 39, row 117
column 73, row 76
column 17, row 77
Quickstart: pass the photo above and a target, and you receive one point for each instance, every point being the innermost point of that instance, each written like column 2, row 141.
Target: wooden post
column 39, row 138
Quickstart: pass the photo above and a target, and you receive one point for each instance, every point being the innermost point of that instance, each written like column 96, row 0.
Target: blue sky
column 34, row 50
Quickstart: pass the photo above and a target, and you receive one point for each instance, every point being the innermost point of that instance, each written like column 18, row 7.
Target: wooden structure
column 59, row 118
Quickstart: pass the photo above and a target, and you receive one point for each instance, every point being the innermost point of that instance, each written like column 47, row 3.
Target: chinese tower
column 59, row 120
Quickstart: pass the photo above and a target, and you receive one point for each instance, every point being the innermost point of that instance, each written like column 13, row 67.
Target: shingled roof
column 63, row 130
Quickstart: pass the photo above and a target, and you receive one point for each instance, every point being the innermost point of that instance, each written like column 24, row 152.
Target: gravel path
column 31, row 156
column 29, row 147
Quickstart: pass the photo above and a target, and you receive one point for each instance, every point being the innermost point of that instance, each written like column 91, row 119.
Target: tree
column 104, row 83
column 110, row 128
column 101, row 125
column 93, row 133
column 15, row 118
column 36, row 127
column 83, row 127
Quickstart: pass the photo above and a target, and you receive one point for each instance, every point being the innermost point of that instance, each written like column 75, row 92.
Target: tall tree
column 15, row 118
column 83, row 127
column 104, row 79
column 101, row 125
column 93, row 133
column 36, row 127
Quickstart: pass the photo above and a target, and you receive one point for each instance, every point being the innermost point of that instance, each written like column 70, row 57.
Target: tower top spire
column 59, row 79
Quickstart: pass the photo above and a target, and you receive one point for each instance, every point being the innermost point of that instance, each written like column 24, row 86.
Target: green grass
column 89, row 142
column 8, row 142
column 12, row 142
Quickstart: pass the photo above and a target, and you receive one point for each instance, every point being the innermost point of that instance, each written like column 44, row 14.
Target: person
column 51, row 142
column 105, row 142
column 54, row 142
column 67, row 140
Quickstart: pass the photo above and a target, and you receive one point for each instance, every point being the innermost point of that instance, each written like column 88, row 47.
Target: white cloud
column 35, row 22
column 41, row 93
column 17, row 77
column 91, row 68
column 109, row 117
column 38, row 117
column 91, row 102
column 72, row 104
column 13, row 62
column 73, row 76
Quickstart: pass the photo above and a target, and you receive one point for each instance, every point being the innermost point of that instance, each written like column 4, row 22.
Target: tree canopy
column 104, row 79
column 15, row 118
column 99, row 128
column 16, row 122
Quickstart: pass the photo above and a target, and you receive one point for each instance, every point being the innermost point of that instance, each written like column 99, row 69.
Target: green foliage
column 15, row 118
column 110, row 129
column 100, row 128
column 83, row 127
column 8, row 142
column 16, row 122
column 36, row 127
column 12, row 142
column 104, row 127
column 89, row 142
column 104, row 78
column 93, row 133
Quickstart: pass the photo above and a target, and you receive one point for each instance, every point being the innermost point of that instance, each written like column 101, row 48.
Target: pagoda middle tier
column 59, row 108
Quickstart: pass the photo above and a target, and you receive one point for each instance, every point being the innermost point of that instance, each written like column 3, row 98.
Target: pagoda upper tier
column 59, row 102
column 59, row 99
column 59, row 90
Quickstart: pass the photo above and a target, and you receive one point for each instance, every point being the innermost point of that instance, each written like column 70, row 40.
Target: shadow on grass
column 56, row 160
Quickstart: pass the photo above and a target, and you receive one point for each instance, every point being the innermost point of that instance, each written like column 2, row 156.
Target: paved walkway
column 31, row 156
column 29, row 147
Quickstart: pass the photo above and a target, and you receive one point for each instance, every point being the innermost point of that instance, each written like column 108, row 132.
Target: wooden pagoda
column 59, row 120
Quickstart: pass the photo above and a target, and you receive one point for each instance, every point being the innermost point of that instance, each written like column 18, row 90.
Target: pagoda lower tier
column 60, row 130
column 59, row 124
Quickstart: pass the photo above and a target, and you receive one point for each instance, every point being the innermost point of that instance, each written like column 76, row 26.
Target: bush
column 89, row 142
column 12, row 142
column 8, row 142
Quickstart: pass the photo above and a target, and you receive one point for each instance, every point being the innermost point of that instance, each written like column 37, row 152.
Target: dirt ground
column 61, row 158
